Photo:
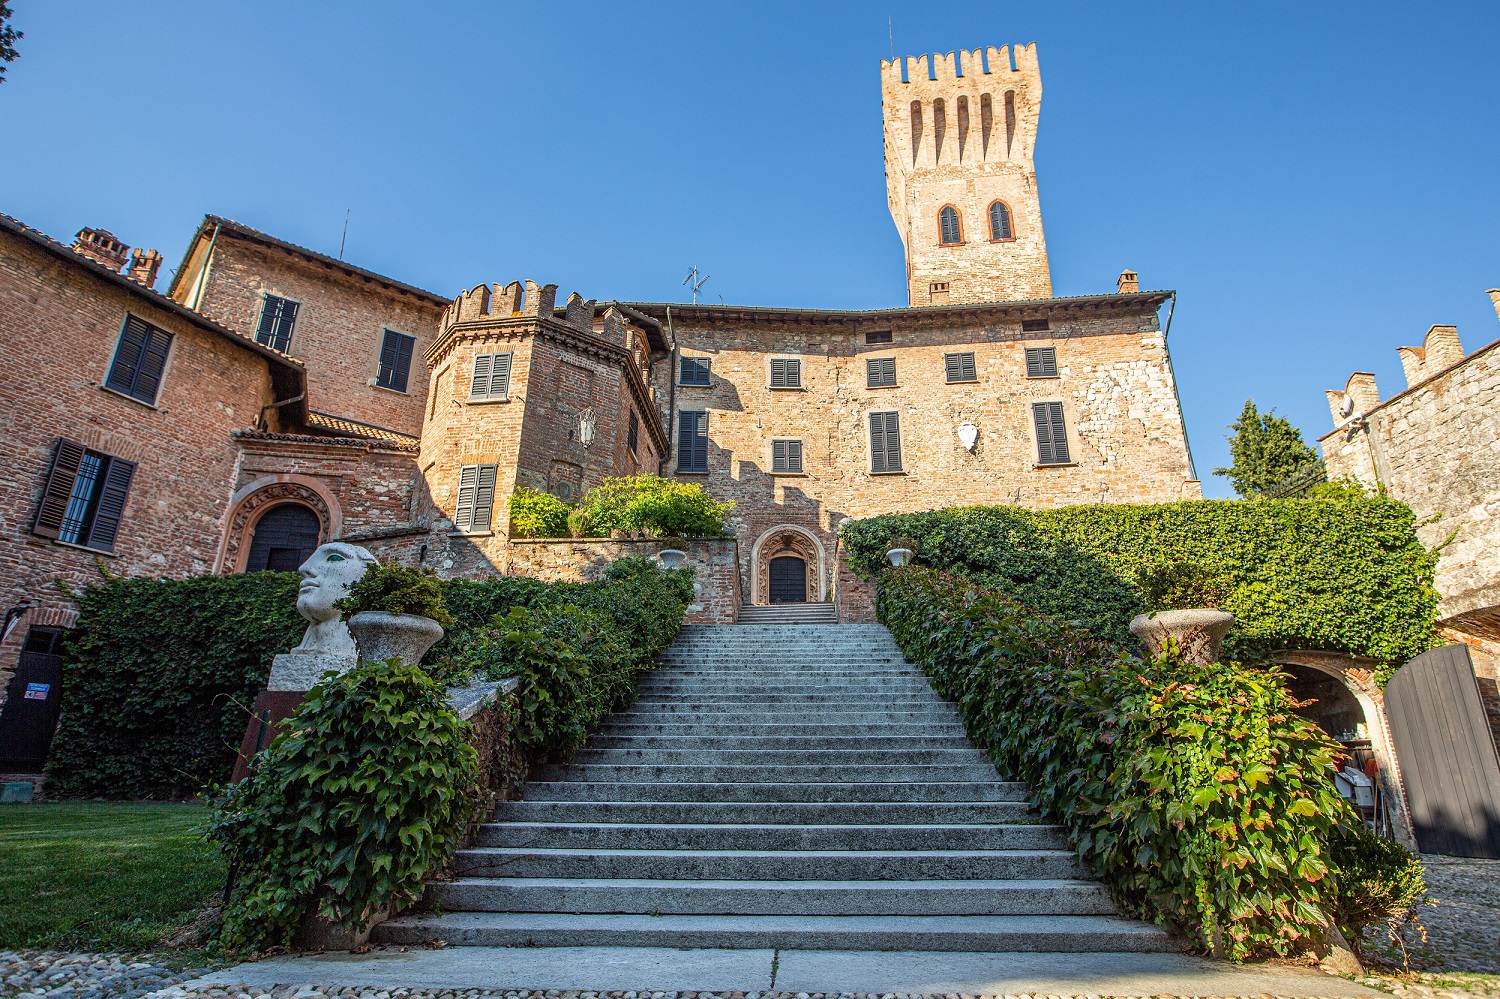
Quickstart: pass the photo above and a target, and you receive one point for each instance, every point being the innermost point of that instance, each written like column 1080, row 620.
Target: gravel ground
column 59, row 975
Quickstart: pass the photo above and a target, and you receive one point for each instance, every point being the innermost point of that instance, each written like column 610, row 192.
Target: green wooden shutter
column 67, row 458
column 1051, row 433
column 114, row 491
column 794, row 456
column 960, row 367
column 479, row 385
column 463, row 514
column 484, row 498
column 133, row 341
column 885, row 442
column 500, row 376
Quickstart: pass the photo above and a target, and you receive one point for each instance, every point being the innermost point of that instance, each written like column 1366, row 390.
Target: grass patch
column 102, row 876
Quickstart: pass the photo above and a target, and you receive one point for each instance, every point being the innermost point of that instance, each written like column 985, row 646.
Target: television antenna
column 694, row 282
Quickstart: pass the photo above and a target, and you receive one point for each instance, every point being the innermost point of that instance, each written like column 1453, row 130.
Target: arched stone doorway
column 284, row 537
column 787, row 567
column 257, row 500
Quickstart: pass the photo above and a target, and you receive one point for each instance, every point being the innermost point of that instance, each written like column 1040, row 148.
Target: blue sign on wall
column 37, row 691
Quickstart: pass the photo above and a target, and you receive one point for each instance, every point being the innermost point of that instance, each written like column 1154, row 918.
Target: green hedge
column 159, row 678
column 1346, row 574
column 1195, row 792
column 160, row 675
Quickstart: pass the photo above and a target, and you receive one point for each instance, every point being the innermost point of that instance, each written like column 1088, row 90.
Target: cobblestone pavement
column 60, row 975
column 1462, row 923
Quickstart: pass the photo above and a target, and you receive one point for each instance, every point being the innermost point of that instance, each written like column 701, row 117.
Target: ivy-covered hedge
column 1195, row 792
column 159, row 677
column 1346, row 574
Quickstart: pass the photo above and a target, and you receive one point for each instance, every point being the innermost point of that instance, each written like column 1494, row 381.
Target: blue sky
column 1317, row 181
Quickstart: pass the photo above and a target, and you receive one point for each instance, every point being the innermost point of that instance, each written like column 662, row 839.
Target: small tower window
column 1000, row 227
column 952, row 232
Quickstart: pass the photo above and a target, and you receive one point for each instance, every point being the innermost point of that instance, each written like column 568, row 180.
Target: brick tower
column 960, row 177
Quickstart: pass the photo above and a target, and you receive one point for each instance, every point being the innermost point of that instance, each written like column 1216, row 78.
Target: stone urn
column 672, row 558
column 899, row 556
column 1199, row 632
column 382, row 635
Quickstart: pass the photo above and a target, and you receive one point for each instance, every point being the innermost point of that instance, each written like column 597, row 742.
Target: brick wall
column 340, row 325
column 60, row 325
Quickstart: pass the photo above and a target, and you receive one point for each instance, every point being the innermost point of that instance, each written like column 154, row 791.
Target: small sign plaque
column 37, row 691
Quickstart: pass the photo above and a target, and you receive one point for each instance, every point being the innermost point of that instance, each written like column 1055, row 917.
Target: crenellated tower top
column 960, row 134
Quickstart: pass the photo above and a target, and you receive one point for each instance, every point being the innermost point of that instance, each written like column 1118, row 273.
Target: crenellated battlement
column 513, row 300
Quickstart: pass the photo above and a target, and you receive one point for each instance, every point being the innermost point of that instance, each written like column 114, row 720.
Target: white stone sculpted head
column 327, row 576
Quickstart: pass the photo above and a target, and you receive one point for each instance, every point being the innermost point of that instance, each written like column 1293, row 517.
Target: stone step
column 725, row 836
column 650, row 700
column 785, row 773
column 760, row 740
column 793, row 714
column 766, row 812
column 766, row 865
column 796, row 898
column 626, row 725
column 812, row 614
column 775, row 791
column 708, row 756
column 1066, row 933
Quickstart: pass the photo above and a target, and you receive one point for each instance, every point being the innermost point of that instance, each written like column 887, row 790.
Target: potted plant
column 1185, row 600
column 395, row 612
column 901, row 551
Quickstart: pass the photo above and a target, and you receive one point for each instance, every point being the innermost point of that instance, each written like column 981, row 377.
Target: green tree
column 1265, row 449
column 8, row 38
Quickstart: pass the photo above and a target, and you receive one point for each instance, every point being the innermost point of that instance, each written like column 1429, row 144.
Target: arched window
column 1000, row 227
column 948, row 222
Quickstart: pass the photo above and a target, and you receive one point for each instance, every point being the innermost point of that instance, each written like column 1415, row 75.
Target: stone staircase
column 799, row 787
column 823, row 613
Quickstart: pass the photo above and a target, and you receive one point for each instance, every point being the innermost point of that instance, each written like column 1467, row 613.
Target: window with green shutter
column 491, row 379
column 960, row 367
column 84, row 500
column 880, row 372
column 1051, row 434
column 476, row 499
column 786, row 456
column 786, row 372
column 693, row 371
column 692, row 441
column 277, row 318
column 140, row 358
column 885, row 442
column 395, row 360
column 1041, row 362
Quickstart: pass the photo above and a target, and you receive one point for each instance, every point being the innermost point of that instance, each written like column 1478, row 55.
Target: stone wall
column 341, row 320
column 60, row 323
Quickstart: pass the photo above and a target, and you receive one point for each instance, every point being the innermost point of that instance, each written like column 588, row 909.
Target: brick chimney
column 100, row 246
column 1129, row 283
column 143, row 267
column 1494, row 294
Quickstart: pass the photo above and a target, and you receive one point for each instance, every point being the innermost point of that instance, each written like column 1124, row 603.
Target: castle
column 274, row 397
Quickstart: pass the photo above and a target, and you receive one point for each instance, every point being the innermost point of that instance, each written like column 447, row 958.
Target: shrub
column 1379, row 882
column 656, row 506
column 1195, row 792
column 349, row 808
column 397, row 589
column 159, row 679
column 1181, row 585
column 1348, row 575
column 538, row 515
column 580, row 524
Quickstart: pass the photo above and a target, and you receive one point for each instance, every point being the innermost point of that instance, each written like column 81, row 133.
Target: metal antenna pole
column 345, row 238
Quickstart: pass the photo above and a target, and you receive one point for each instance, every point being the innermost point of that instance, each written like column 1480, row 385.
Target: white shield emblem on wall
column 968, row 435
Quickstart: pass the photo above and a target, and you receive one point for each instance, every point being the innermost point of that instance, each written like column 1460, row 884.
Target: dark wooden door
column 29, row 718
column 788, row 580
column 1447, row 758
column 284, row 538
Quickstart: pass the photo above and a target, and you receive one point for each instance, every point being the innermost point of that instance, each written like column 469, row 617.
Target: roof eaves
column 759, row 311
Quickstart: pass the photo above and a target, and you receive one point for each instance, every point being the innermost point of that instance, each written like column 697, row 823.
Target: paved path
column 755, row 972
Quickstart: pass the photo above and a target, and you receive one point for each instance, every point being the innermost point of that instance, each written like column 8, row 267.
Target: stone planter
column 899, row 556
column 316, row 933
column 382, row 635
column 672, row 558
column 1198, row 632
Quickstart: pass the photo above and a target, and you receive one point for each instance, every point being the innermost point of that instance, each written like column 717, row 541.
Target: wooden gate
column 27, row 721
column 1448, row 761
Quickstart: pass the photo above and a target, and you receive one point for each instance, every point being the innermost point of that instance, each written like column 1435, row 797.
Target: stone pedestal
column 302, row 670
column 1198, row 632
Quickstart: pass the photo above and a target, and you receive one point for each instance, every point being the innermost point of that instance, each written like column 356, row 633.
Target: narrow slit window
column 475, row 509
column 633, row 434
column 885, row 442
column 694, row 371
column 960, row 367
column 1041, row 362
column 491, row 379
column 692, row 441
column 1051, row 434
column 786, row 372
column 786, row 456
column 880, row 372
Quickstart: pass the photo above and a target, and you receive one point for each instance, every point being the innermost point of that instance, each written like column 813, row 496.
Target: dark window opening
column 44, row 640
column 885, row 442
column 1000, row 227
column 1035, row 326
column 960, row 367
column 786, row 456
column 786, row 372
column 694, row 371
column 880, row 372
column 1041, row 362
column 948, row 222
column 140, row 359
column 395, row 360
column 692, row 441
column 633, row 435
column 1051, row 433
column 277, row 318
column 878, row 336
column 476, row 498
column 84, row 498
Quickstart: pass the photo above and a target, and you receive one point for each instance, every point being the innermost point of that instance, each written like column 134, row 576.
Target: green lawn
column 102, row 876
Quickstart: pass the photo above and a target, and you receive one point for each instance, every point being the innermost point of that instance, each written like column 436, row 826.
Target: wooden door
column 788, row 577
